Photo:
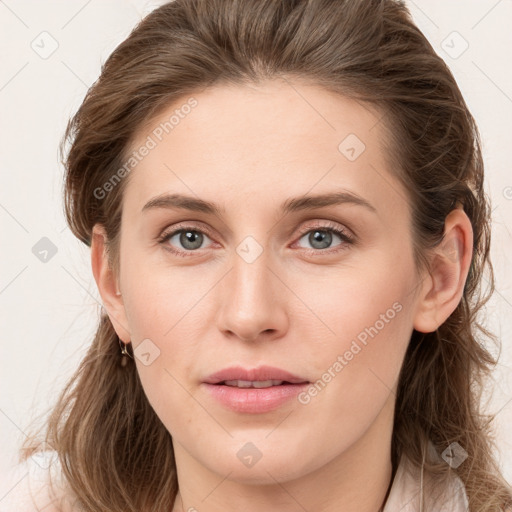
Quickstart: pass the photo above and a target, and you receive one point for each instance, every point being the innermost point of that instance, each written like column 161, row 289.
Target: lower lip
column 254, row 400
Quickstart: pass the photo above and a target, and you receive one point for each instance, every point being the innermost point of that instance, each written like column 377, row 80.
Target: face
column 309, row 302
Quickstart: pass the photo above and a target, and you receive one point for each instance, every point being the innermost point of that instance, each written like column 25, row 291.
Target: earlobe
column 450, row 262
column 107, row 284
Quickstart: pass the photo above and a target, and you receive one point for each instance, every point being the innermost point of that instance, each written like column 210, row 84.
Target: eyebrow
column 302, row 203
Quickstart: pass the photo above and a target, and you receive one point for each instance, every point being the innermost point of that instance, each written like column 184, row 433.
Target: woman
column 288, row 228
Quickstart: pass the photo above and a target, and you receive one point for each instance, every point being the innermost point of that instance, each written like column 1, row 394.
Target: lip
column 253, row 400
column 260, row 373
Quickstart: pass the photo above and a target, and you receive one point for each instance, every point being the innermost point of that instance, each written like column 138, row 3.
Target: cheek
column 359, row 304
column 357, row 373
column 366, row 323
column 165, row 313
column 158, row 297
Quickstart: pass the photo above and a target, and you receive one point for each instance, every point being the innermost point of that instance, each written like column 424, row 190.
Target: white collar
column 408, row 487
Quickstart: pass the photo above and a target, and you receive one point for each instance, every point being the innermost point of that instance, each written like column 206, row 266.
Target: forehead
column 270, row 139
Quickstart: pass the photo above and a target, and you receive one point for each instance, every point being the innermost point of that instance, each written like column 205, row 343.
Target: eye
column 190, row 238
column 321, row 238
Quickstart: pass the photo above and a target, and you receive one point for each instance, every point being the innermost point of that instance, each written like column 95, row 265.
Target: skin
column 248, row 149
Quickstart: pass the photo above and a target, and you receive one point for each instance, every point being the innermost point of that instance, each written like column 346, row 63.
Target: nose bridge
column 250, row 275
column 249, row 302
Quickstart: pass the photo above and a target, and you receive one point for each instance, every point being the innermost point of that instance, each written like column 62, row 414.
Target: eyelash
column 345, row 237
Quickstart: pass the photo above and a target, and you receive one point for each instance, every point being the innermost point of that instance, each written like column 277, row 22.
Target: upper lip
column 261, row 373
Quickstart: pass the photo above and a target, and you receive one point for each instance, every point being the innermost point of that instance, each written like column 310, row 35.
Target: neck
column 356, row 480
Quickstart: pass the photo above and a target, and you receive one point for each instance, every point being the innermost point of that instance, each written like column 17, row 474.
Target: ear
column 442, row 289
column 107, row 283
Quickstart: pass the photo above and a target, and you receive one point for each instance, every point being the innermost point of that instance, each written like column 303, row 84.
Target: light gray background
column 49, row 309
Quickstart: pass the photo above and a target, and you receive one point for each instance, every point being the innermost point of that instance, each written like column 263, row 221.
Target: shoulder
column 35, row 485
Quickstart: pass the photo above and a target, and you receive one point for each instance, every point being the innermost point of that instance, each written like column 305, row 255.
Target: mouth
column 258, row 384
column 261, row 377
column 258, row 390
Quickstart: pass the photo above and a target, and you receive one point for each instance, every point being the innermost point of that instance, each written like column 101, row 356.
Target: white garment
column 28, row 485
column 408, row 487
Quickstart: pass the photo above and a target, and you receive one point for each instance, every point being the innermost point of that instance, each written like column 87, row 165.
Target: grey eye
column 320, row 238
column 189, row 239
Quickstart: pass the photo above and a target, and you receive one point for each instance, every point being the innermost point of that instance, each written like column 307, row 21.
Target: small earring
column 124, row 354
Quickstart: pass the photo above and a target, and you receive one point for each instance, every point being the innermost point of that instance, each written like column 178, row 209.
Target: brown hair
column 115, row 452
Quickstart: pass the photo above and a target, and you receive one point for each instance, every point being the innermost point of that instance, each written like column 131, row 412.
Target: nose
column 252, row 301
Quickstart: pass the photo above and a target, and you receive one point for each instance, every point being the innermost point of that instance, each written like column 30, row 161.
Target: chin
column 264, row 461
column 264, row 472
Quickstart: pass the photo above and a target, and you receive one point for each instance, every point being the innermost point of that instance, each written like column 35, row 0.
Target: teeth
column 253, row 383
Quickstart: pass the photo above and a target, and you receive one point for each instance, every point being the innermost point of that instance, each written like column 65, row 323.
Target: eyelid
column 327, row 225
column 184, row 226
